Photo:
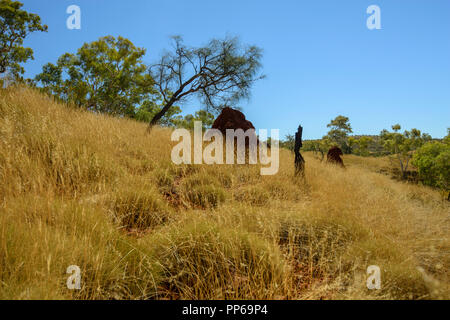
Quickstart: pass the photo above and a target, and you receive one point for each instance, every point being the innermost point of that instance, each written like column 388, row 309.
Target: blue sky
column 320, row 58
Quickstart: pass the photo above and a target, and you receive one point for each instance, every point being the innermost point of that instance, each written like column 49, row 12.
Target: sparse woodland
column 85, row 182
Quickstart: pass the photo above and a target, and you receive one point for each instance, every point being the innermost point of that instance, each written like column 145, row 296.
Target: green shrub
column 433, row 162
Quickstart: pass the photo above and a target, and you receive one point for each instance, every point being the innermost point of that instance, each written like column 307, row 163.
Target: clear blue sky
column 319, row 57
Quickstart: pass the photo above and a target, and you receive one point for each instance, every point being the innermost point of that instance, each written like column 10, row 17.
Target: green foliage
column 150, row 108
column 433, row 162
column 289, row 143
column 105, row 76
column 147, row 111
column 204, row 116
column 396, row 127
column 317, row 146
column 360, row 146
column 354, row 144
column 447, row 138
column 310, row 145
column 15, row 25
column 402, row 145
column 338, row 135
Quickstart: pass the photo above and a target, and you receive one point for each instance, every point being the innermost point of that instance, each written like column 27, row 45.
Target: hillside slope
column 100, row 193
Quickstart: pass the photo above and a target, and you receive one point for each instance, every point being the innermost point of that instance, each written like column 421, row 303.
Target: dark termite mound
column 232, row 119
column 334, row 156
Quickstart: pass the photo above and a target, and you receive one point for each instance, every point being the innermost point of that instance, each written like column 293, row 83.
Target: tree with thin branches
column 219, row 74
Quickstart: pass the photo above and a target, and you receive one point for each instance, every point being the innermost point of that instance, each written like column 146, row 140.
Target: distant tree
column 360, row 146
column 340, row 129
column 107, row 76
column 220, row 74
column 289, row 142
column 309, row 145
column 15, row 25
column 402, row 145
column 353, row 144
column 323, row 146
column 318, row 146
column 396, row 127
column 206, row 118
column 364, row 143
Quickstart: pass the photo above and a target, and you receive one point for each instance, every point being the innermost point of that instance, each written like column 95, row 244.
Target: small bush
column 165, row 180
column 404, row 283
column 201, row 178
column 316, row 249
column 281, row 190
column 140, row 209
column 433, row 163
column 203, row 190
column 225, row 179
column 221, row 174
column 400, row 277
column 205, row 196
column 178, row 171
column 255, row 195
column 245, row 176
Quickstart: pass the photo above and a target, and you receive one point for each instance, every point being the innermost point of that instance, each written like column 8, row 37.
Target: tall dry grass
column 99, row 192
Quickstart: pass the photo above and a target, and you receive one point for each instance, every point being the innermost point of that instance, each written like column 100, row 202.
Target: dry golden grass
column 99, row 192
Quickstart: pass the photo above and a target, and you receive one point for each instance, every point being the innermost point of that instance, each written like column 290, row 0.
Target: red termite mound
column 233, row 119
column 334, row 156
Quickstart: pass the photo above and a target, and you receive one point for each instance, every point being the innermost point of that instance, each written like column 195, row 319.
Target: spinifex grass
column 99, row 192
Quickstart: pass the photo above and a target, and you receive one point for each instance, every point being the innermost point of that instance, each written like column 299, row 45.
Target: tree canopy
column 338, row 134
column 360, row 146
column 219, row 74
column 433, row 163
column 402, row 145
column 205, row 117
column 107, row 75
column 15, row 25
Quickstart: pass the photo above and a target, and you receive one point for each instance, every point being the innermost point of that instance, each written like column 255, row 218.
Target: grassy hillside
column 99, row 192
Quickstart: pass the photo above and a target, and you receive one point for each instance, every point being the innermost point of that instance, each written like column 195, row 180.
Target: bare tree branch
column 219, row 74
